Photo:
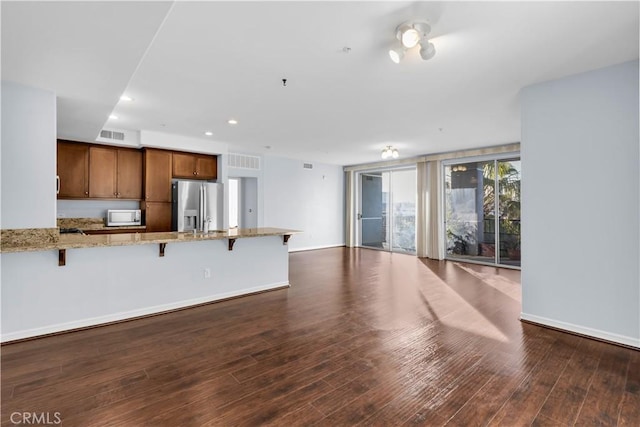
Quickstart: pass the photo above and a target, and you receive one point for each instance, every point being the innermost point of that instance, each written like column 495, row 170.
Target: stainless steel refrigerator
column 195, row 202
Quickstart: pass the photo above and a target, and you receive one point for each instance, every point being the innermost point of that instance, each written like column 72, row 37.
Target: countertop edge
column 125, row 239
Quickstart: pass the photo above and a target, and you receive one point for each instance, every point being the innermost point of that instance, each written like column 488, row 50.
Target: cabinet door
column 129, row 174
column 184, row 165
column 157, row 216
column 102, row 172
column 207, row 167
column 73, row 170
column 157, row 175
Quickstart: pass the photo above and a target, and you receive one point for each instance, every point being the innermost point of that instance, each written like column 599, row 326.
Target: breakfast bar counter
column 55, row 282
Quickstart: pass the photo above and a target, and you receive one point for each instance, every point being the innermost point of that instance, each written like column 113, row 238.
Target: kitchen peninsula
column 113, row 277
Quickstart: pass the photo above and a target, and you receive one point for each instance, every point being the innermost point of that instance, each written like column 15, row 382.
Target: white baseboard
column 313, row 248
column 115, row 317
column 582, row 330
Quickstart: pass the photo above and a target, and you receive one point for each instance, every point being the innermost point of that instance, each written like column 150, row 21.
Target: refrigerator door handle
column 204, row 205
column 201, row 212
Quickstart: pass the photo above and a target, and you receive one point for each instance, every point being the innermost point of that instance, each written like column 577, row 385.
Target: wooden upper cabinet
column 207, row 167
column 115, row 173
column 103, row 169
column 129, row 174
column 194, row 166
column 184, row 165
column 73, row 169
column 98, row 171
column 157, row 175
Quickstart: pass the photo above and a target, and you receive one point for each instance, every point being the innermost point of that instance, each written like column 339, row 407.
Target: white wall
column 248, row 202
column 580, row 210
column 311, row 200
column 106, row 284
column 92, row 208
column 28, row 157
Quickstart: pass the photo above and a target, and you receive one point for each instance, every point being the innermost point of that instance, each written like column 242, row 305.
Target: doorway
column 243, row 202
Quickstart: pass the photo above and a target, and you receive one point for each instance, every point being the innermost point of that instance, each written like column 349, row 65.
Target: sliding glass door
column 482, row 211
column 388, row 210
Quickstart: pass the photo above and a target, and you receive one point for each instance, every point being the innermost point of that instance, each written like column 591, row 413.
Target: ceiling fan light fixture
column 410, row 38
column 427, row 51
column 411, row 34
column 389, row 152
column 396, row 54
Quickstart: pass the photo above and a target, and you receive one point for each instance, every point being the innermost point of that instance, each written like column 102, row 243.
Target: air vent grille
column 243, row 161
column 108, row 134
column 307, row 166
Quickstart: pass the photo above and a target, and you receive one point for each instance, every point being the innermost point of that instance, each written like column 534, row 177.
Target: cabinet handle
column 194, row 173
column 86, row 192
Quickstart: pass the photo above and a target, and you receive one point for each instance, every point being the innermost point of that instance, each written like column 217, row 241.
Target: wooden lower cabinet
column 157, row 216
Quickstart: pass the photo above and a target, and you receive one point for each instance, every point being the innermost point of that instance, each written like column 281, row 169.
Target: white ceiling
column 190, row 66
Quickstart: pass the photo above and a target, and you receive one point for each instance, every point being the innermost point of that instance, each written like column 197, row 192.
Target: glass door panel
column 388, row 210
column 509, row 211
column 373, row 217
column 470, row 211
column 403, row 208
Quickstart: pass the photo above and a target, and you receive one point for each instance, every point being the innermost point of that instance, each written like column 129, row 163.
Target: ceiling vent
column 109, row 134
column 243, row 161
column 307, row 166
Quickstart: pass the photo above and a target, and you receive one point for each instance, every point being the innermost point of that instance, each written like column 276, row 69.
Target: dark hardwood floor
column 362, row 337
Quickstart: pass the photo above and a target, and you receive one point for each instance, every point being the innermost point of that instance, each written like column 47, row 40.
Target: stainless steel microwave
column 116, row 217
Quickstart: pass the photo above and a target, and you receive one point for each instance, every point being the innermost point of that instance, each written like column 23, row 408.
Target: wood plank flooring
column 362, row 337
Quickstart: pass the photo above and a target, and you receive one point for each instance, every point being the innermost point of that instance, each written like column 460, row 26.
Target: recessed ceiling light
column 113, row 117
column 232, row 121
column 208, row 133
column 126, row 98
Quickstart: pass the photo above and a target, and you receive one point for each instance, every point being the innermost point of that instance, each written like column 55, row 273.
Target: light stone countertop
column 74, row 241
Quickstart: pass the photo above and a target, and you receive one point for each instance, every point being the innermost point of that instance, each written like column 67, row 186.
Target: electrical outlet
column 207, row 273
